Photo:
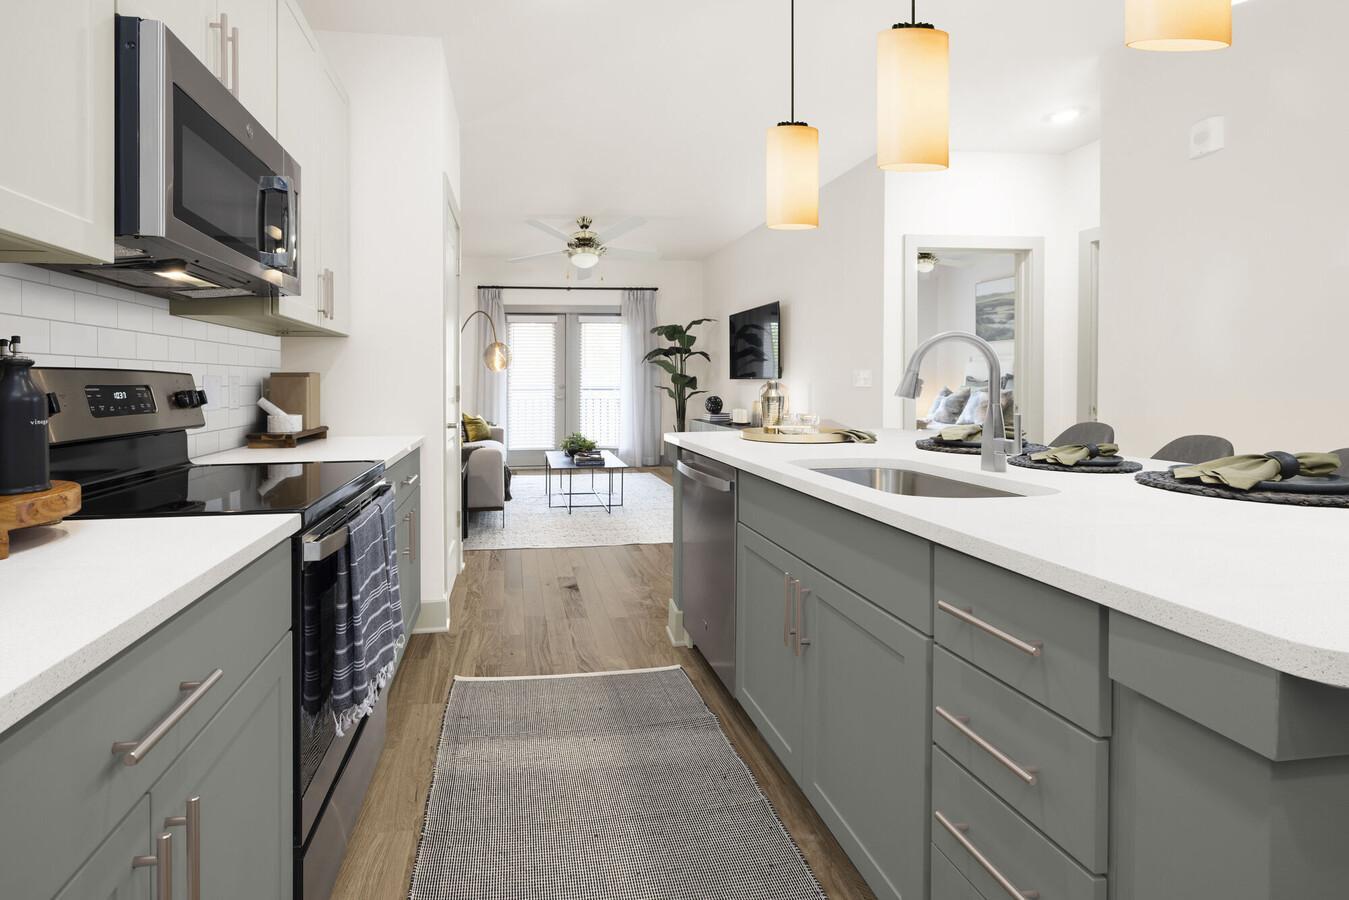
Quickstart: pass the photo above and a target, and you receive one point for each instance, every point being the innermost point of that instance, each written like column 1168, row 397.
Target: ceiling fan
column 927, row 261
column 586, row 245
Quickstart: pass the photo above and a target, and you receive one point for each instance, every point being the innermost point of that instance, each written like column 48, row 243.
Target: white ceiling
column 638, row 107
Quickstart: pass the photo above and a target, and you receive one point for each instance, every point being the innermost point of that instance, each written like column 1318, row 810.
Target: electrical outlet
column 1208, row 137
column 861, row 378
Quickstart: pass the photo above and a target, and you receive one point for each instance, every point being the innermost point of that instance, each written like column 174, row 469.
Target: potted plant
column 674, row 360
column 576, row 442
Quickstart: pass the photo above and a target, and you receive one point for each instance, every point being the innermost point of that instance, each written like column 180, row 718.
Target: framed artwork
column 995, row 309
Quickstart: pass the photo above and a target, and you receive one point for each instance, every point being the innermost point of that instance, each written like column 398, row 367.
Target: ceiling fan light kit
column 792, row 164
column 1178, row 26
column 913, row 97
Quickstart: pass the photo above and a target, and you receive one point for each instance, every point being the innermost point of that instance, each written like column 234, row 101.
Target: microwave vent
column 214, row 293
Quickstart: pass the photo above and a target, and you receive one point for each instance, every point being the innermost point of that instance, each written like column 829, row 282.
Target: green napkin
column 962, row 433
column 1072, row 454
column 1245, row 472
column 855, row 435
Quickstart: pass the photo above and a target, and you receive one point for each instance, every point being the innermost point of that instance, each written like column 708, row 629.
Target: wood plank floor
column 531, row 612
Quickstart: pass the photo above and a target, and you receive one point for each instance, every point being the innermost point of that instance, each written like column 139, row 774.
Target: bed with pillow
column 968, row 405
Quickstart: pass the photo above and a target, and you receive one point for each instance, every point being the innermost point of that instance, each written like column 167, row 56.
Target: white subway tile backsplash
column 152, row 347
column 36, row 333
column 96, row 362
column 116, row 342
column 192, row 328
column 134, row 317
column 74, row 339
column 167, row 324
column 46, row 302
column 69, row 282
column 91, row 309
column 207, row 352
column 11, row 292
column 182, row 350
column 23, row 273
column 52, row 360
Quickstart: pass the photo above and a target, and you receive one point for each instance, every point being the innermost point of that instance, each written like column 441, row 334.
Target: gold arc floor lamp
column 497, row 356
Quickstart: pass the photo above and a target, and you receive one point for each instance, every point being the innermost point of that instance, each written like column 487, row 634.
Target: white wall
column 829, row 283
column 69, row 321
column 389, row 376
column 995, row 195
column 680, row 299
column 1225, row 280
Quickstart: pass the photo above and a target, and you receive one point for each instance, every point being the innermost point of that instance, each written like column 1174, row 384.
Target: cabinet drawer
column 1044, row 642
column 59, row 765
column 947, row 882
column 1008, row 844
column 1069, row 798
column 405, row 475
column 889, row 567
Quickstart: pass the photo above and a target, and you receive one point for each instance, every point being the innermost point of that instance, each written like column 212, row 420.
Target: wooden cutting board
column 41, row 508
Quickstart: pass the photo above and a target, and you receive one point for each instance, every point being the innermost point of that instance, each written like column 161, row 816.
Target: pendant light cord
column 792, row 59
column 913, row 11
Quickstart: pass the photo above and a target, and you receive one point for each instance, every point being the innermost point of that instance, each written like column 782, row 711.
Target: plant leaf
column 665, row 364
column 699, row 353
column 696, row 322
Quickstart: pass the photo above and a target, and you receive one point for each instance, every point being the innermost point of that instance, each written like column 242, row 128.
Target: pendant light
column 913, row 97
column 1178, row 25
column 793, row 164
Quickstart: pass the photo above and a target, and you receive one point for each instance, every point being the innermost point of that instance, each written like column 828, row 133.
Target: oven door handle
column 318, row 547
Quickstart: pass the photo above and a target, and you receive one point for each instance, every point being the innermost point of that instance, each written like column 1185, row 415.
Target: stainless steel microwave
column 207, row 201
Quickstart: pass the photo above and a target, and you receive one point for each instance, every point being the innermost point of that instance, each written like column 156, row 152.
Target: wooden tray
column 773, row 437
column 41, row 508
column 286, row 439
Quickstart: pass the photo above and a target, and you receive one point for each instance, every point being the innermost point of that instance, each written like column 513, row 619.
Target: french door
column 564, row 377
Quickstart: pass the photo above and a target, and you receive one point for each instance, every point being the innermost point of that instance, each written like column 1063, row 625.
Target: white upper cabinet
column 335, row 239
column 298, row 119
column 56, row 160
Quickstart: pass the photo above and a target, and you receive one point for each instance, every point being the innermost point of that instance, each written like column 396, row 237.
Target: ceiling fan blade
column 630, row 253
column 620, row 227
column 583, row 274
column 535, row 255
column 551, row 230
column 955, row 263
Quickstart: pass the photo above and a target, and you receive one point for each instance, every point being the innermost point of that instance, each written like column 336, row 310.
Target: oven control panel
column 119, row 399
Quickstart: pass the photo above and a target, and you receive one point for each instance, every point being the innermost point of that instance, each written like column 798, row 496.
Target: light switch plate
column 861, row 378
column 1208, row 137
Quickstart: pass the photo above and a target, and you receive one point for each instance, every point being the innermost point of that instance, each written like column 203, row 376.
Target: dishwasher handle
column 712, row 481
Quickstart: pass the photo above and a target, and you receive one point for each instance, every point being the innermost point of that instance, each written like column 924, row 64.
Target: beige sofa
column 485, row 473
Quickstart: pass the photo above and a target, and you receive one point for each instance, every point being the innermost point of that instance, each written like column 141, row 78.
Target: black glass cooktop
column 311, row 489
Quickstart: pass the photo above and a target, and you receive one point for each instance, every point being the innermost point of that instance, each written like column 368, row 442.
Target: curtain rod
column 558, row 287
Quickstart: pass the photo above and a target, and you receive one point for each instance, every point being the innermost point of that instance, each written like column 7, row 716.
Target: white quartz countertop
column 387, row 448
column 1267, row 583
column 75, row 595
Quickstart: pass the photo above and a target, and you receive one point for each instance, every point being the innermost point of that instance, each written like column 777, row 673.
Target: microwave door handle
column 278, row 184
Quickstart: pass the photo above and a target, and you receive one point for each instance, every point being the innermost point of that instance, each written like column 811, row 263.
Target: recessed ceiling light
column 1064, row 116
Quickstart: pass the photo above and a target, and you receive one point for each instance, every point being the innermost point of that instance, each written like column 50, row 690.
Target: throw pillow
column 476, row 428
column 976, row 410
column 951, row 407
column 936, row 404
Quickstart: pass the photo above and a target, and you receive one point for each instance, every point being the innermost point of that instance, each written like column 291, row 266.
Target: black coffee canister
column 24, row 463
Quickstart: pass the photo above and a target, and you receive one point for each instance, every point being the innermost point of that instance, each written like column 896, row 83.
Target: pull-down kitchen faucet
column 994, row 446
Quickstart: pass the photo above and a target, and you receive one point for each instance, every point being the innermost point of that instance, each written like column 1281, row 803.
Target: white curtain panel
column 491, row 397
column 639, row 439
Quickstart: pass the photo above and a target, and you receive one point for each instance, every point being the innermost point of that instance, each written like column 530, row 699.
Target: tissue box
column 298, row 393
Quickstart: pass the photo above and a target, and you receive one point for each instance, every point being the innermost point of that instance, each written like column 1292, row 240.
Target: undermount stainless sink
column 910, row 483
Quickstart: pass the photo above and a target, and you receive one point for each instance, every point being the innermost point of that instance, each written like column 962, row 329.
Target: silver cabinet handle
column 136, row 750
column 1030, row 648
column 163, row 864
column 328, row 291
column 411, row 480
column 407, row 551
column 960, row 723
column 787, row 630
column 193, row 823
column 958, row 832
column 416, row 538
column 801, row 639
column 234, row 59
column 224, row 27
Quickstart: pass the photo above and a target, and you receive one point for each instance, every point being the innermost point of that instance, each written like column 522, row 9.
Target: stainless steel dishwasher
column 707, row 559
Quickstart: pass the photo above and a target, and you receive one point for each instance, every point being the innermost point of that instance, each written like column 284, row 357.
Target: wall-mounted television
column 756, row 342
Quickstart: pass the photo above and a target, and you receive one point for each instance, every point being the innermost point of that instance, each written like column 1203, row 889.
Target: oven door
column 202, row 186
column 322, row 755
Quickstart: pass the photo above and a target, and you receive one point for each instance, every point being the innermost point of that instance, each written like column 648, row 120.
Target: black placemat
column 1125, row 467
column 1167, row 482
column 966, row 448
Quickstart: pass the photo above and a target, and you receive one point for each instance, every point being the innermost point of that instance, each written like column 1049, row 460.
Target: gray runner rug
column 613, row 786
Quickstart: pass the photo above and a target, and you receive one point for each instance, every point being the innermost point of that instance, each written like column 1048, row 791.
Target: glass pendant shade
column 497, row 356
column 793, row 176
column 1178, row 26
column 913, row 99
column 585, row 259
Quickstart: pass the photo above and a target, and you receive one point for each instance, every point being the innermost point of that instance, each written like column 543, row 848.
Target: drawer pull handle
column 411, row 480
column 958, row 832
column 1030, row 648
column 787, row 630
column 192, row 821
column 959, row 723
column 801, row 639
column 136, row 750
column 162, row 862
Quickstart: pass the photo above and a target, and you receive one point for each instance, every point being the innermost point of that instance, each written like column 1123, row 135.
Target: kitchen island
column 1088, row 688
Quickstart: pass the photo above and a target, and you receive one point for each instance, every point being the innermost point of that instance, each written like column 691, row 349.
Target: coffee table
column 558, row 461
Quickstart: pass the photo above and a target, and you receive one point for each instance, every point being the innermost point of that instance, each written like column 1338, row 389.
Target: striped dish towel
column 369, row 624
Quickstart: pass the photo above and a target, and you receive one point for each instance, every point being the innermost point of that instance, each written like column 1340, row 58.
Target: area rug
column 613, row 786
column 646, row 516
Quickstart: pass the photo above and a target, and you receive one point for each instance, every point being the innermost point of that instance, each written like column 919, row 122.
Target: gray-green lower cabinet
column 768, row 678
column 232, row 787
column 867, row 693
column 408, row 541
column 109, row 873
